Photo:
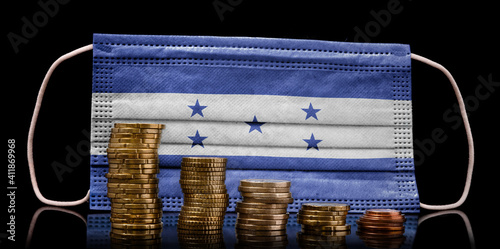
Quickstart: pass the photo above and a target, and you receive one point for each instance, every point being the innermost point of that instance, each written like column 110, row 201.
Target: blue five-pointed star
column 312, row 143
column 197, row 108
column 197, row 139
column 255, row 125
column 311, row 112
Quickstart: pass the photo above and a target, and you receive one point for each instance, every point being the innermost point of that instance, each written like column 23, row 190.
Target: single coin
column 321, row 217
column 189, row 231
column 202, row 209
column 327, row 228
column 202, row 218
column 264, row 216
column 322, row 213
column 265, row 183
column 136, row 211
column 134, row 161
column 261, row 222
column 136, row 216
column 203, row 177
column 132, row 185
column 134, row 205
column 203, row 173
column 382, row 228
column 129, row 196
column 203, row 213
column 139, row 125
column 135, row 231
column 205, row 159
column 203, row 165
column 268, row 200
column 131, row 151
column 207, row 200
column 380, row 219
column 382, row 212
column 260, row 227
column 135, row 181
column 131, row 156
column 203, row 169
column 134, row 171
column 135, row 140
column 200, row 223
column 263, row 190
column 136, row 226
column 133, row 191
column 245, row 204
column 261, row 211
column 325, row 206
column 201, row 182
column 207, row 204
column 382, row 234
column 134, row 145
column 117, row 166
column 321, row 222
column 312, row 237
column 204, row 191
column 135, row 135
column 266, row 195
column 137, row 201
column 129, row 176
column 207, row 196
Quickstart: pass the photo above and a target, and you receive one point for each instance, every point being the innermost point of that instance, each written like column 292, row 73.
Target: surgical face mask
column 334, row 118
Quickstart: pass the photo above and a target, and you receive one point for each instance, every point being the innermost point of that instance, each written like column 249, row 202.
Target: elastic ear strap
column 468, row 132
column 31, row 133
column 458, row 212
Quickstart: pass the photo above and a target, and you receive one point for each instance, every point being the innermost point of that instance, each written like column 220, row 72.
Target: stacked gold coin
column 382, row 228
column 262, row 215
column 136, row 210
column 205, row 201
column 323, row 221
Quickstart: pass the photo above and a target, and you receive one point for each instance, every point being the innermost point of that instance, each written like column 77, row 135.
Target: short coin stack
column 382, row 228
column 262, row 215
column 136, row 210
column 323, row 222
column 205, row 201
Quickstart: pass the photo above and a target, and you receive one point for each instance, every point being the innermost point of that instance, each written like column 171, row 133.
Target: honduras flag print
column 333, row 118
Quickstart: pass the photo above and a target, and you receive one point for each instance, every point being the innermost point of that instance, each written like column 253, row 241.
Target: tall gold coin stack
column 323, row 224
column 136, row 210
column 262, row 215
column 382, row 228
column 205, row 202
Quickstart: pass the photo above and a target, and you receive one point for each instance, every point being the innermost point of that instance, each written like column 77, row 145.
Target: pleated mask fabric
column 334, row 118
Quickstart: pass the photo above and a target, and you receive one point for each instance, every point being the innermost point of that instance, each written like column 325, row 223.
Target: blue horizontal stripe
column 284, row 163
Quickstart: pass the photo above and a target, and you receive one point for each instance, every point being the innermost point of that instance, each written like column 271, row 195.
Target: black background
column 462, row 36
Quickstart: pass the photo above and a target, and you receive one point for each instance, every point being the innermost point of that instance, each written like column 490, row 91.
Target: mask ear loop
column 458, row 212
column 31, row 133
column 468, row 132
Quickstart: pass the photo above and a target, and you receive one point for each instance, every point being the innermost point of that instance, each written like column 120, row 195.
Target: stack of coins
column 382, row 228
column 262, row 215
column 136, row 210
column 205, row 201
column 323, row 222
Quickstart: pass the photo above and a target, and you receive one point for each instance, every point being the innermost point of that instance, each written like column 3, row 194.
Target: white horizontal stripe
column 241, row 108
column 186, row 149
